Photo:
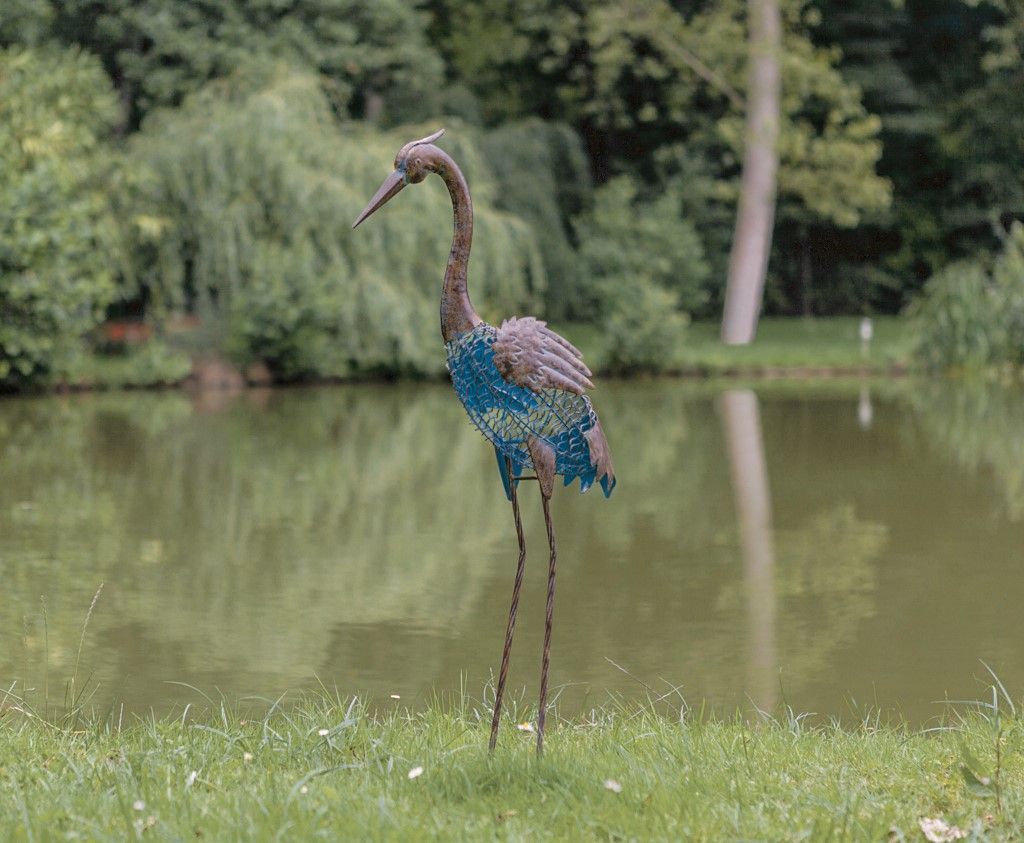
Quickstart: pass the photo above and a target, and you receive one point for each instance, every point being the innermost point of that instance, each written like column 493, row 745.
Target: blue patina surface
column 507, row 414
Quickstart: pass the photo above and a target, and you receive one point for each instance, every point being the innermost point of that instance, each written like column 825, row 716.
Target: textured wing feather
column 529, row 354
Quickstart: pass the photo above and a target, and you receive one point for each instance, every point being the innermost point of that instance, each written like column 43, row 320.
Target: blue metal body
column 507, row 414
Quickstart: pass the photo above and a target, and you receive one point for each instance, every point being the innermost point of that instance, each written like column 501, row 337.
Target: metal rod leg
column 542, row 711
column 510, row 630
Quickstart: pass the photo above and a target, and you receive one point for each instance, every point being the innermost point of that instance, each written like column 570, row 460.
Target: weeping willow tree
column 241, row 209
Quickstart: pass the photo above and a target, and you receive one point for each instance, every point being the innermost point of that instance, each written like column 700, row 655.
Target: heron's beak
column 392, row 184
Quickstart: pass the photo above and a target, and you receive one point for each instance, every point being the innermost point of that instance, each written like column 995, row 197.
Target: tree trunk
column 755, row 217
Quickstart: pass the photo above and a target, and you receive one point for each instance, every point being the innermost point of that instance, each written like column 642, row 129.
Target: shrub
column 642, row 325
column 971, row 316
column 625, row 235
column 57, row 234
column 154, row 363
column 641, row 262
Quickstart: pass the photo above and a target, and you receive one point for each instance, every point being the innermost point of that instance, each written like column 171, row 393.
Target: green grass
column 799, row 343
column 784, row 346
column 327, row 768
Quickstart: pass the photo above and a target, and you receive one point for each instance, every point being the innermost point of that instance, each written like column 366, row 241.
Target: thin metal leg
column 542, row 712
column 510, row 630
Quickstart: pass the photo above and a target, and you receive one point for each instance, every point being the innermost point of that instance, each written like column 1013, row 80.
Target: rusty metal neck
column 457, row 313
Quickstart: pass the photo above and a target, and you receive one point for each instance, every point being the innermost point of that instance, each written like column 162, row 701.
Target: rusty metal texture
column 511, row 627
column 530, row 354
column 549, row 613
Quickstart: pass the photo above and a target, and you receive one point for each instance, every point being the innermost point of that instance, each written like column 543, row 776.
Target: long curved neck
column 457, row 313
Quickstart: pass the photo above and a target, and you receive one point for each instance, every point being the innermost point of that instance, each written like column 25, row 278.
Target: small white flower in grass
column 324, row 733
column 303, row 789
column 191, row 778
column 139, row 805
column 937, row 830
column 524, row 727
column 247, row 757
column 612, row 785
column 415, row 772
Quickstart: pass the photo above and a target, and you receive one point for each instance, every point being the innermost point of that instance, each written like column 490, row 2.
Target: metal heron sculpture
column 523, row 386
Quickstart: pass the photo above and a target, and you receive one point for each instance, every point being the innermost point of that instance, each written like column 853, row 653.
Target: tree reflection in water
column 741, row 423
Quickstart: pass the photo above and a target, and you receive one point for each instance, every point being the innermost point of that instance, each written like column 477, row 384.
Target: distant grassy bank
column 790, row 347
column 785, row 347
column 329, row 769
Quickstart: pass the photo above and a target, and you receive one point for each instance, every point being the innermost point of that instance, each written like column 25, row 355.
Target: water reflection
column 865, row 409
column 741, row 422
column 760, row 547
column 981, row 426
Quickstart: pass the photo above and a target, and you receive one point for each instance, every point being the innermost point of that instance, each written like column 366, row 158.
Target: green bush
column 626, row 236
column 971, row 316
column 642, row 325
column 57, row 234
column 241, row 212
column 643, row 264
column 154, row 363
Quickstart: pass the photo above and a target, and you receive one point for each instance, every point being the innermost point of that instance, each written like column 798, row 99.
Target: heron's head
column 413, row 163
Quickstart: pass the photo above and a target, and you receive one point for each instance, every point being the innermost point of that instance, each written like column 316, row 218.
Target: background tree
column 985, row 139
column 755, row 217
column 372, row 54
column 58, row 240
column 642, row 264
column 899, row 152
column 657, row 90
column 916, row 63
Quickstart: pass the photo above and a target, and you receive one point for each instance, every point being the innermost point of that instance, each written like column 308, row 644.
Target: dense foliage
column 940, row 75
column 57, row 237
column 603, row 141
column 648, row 84
column 373, row 55
column 972, row 315
column 641, row 262
column 243, row 204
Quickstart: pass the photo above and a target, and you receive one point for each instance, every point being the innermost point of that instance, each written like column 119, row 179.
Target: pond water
column 831, row 547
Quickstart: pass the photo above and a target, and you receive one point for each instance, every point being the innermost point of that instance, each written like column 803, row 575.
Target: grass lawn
column 799, row 343
column 328, row 769
column 792, row 346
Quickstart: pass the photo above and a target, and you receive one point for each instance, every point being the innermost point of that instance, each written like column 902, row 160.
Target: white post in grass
column 867, row 331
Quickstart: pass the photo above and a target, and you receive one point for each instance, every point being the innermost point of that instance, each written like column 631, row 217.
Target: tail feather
column 601, row 457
